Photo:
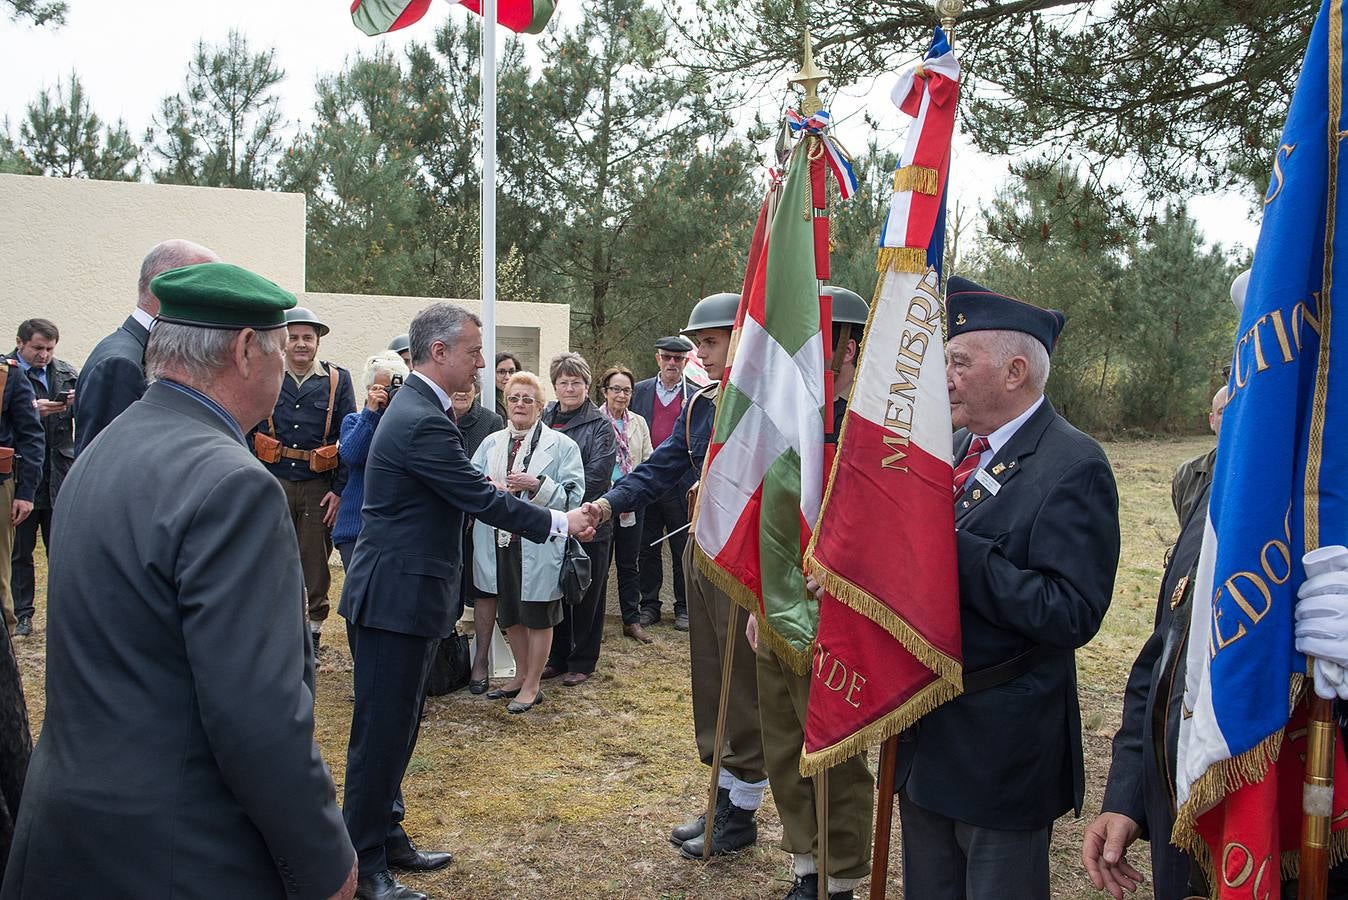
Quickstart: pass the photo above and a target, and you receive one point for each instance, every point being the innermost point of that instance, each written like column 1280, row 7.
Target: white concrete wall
column 70, row 249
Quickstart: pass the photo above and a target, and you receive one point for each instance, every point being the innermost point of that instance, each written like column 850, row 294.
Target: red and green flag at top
column 382, row 16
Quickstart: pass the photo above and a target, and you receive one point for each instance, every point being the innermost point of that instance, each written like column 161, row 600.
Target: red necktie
column 969, row 463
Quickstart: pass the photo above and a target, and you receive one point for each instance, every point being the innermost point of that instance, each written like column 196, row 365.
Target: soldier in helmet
column 298, row 444
column 402, row 346
column 743, row 779
column 784, row 694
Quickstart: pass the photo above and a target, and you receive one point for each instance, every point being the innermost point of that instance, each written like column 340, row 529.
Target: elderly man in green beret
column 177, row 755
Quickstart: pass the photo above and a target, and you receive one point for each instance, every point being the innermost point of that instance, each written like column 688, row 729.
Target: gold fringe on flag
column 877, row 732
column 919, row 179
column 797, row 660
column 862, row 602
column 901, row 259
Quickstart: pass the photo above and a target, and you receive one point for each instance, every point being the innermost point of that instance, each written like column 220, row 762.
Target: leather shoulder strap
column 332, row 400
column 4, row 382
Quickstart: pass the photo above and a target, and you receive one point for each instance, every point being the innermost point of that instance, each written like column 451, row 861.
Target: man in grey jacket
column 177, row 756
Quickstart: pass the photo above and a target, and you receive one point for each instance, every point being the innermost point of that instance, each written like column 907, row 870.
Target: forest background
column 632, row 161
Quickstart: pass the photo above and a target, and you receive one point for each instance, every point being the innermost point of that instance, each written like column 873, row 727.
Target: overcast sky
column 130, row 54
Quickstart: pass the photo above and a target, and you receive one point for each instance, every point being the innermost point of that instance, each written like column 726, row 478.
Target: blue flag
column 1277, row 491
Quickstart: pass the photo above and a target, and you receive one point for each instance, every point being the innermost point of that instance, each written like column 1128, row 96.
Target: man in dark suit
column 400, row 595
column 177, row 756
column 114, row 373
column 982, row 778
column 53, row 382
column 21, row 449
column 661, row 401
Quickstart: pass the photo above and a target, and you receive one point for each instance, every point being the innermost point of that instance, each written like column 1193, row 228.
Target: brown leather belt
column 292, row 453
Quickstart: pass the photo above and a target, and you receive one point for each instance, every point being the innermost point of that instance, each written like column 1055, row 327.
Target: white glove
column 1322, row 619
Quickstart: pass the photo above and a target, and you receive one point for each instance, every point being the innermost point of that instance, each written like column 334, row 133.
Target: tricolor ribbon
column 838, row 160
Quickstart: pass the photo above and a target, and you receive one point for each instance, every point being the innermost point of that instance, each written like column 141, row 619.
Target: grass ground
column 575, row 799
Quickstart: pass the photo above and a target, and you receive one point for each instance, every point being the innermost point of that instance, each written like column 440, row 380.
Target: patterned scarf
column 620, row 434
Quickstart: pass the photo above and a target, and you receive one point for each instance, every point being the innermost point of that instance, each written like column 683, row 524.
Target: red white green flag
column 376, row 17
column 888, row 648
column 763, row 478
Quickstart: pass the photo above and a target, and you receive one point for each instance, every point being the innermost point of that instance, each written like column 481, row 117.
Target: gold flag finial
column 809, row 77
column 948, row 11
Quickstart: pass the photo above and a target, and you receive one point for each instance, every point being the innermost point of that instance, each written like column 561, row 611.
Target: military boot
column 732, row 831
column 694, row 827
column 807, row 888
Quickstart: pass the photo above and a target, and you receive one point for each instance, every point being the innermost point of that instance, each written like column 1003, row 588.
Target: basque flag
column 1277, row 493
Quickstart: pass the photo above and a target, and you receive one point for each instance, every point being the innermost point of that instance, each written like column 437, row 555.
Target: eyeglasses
column 618, row 390
column 519, row 400
column 506, row 371
column 570, row 385
column 672, row 357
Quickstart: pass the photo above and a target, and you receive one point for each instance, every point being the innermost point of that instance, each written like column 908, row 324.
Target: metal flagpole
column 948, row 11
column 488, row 205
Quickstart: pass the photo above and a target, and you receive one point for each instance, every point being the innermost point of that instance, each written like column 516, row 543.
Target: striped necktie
column 969, row 463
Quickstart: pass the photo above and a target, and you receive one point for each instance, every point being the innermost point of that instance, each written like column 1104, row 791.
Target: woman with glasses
column 522, row 579
column 575, row 644
column 507, row 364
column 633, row 438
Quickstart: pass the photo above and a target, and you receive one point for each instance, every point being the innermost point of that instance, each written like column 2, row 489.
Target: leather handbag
column 576, row 575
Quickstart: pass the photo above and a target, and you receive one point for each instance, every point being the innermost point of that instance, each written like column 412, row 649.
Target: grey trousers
column 945, row 859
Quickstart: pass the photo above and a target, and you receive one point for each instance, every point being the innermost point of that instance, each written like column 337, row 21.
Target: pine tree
column 61, row 135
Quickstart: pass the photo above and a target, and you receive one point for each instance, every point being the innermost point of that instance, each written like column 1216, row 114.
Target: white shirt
column 559, row 525
column 667, row 394
column 143, row 318
column 998, row 439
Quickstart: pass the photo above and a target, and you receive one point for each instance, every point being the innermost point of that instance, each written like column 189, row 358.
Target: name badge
column 987, row 481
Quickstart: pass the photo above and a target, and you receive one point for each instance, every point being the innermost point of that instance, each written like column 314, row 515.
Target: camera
column 395, row 382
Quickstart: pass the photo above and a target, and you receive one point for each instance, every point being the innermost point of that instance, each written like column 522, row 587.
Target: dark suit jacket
column 21, row 430
column 643, row 404
column 112, row 379
column 1141, row 774
column 405, row 568
column 1036, row 568
column 177, row 756
column 59, row 428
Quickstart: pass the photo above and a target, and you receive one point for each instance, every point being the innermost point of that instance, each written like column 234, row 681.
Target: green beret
column 220, row 295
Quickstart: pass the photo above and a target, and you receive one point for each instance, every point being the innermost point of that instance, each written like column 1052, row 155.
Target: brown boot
column 637, row 633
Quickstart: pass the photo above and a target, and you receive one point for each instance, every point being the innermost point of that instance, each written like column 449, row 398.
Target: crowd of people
column 185, row 611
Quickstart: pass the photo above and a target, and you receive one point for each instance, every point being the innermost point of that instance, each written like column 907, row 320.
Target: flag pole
column 947, row 11
column 727, row 660
column 488, row 204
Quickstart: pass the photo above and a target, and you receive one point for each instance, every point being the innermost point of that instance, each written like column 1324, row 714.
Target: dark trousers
column 23, row 580
column 315, row 540
column 390, row 684
column 945, row 859
column 575, row 642
column 627, row 554
column 662, row 517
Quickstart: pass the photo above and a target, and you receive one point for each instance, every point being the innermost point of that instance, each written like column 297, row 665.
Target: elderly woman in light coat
column 536, row 463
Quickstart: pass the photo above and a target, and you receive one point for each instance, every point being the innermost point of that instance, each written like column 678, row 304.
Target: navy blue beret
column 972, row 307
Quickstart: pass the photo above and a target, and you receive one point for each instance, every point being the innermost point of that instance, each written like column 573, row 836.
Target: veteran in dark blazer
column 177, row 756
column 402, row 586
column 982, row 778
column 113, row 376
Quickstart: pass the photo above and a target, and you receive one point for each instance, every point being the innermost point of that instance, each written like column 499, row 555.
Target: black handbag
column 576, row 575
column 451, row 667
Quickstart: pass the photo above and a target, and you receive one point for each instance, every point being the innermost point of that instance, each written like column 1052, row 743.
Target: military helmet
column 847, row 306
column 714, row 311
column 302, row 315
column 400, row 344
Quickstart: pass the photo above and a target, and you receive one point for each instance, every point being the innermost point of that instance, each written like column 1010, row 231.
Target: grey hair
column 199, row 352
column 569, row 363
column 388, row 362
column 442, row 322
column 164, row 256
column 1008, row 344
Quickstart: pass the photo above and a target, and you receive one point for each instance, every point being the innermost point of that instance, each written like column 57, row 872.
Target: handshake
column 582, row 522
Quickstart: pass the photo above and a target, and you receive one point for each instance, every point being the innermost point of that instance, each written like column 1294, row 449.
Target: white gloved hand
column 1322, row 619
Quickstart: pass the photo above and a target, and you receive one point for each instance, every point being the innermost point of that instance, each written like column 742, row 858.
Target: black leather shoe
column 681, row 623
column 694, row 827
column 649, row 617
column 420, row 860
column 478, row 687
column 807, row 888
column 25, row 627
column 383, row 886
column 502, row 694
column 733, row 830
